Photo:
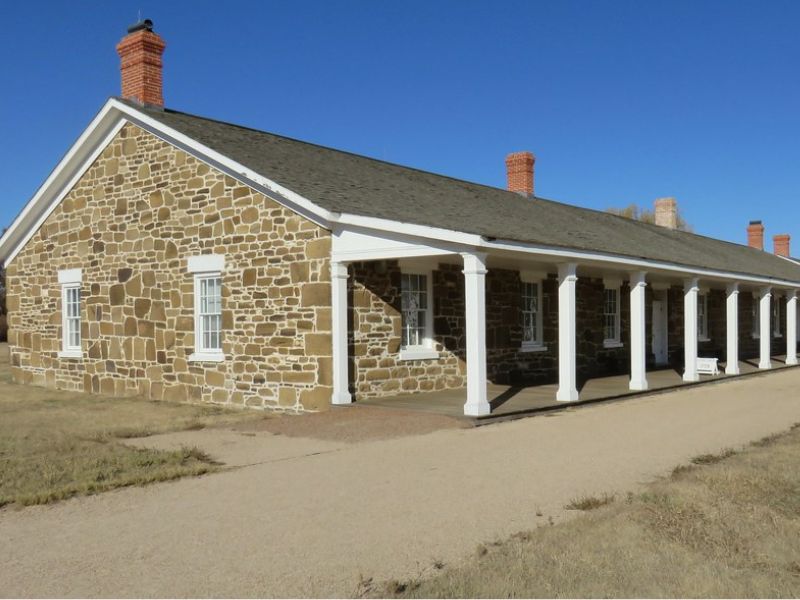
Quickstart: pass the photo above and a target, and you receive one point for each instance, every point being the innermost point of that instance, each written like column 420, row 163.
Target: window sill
column 70, row 354
column 612, row 344
column 206, row 357
column 418, row 354
column 533, row 348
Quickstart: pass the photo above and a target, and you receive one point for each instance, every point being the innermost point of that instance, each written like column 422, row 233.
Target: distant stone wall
column 131, row 222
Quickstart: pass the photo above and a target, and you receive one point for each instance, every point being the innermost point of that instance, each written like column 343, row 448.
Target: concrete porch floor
column 511, row 402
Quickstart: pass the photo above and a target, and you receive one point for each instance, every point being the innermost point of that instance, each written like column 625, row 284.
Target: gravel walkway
column 306, row 517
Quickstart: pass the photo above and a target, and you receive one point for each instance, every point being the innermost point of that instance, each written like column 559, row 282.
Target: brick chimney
column 755, row 235
column 140, row 64
column 666, row 212
column 780, row 244
column 519, row 172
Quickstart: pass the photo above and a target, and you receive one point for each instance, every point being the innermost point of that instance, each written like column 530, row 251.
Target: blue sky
column 622, row 102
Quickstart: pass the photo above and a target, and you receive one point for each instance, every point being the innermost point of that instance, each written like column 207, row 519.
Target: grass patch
column 727, row 525
column 590, row 502
column 55, row 444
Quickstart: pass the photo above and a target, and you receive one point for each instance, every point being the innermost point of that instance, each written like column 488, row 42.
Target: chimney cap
column 755, row 222
column 145, row 24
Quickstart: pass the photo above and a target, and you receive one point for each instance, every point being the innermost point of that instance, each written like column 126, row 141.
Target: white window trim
column 70, row 279
column 537, row 278
column 206, row 266
column 702, row 334
column 616, row 341
column 425, row 351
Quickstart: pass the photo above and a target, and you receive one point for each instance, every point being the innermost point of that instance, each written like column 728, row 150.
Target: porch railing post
column 638, row 339
column 732, row 323
column 341, row 384
column 567, row 384
column 765, row 332
column 475, row 307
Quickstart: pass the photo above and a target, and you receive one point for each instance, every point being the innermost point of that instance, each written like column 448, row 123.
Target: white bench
column 707, row 366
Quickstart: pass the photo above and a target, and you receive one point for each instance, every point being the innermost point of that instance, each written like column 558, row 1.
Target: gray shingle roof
column 344, row 182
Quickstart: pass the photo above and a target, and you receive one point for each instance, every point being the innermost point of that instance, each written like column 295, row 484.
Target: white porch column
column 341, row 391
column 732, row 321
column 765, row 331
column 567, row 385
column 638, row 353
column 791, row 327
column 690, row 290
column 475, row 296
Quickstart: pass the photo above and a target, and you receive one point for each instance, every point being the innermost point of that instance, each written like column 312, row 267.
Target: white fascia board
column 61, row 180
column 353, row 243
column 383, row 228
column 258, row 182
column 640, row 264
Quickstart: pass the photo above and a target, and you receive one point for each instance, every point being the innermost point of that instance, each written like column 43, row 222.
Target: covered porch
column 508, row 402
column 653, row 323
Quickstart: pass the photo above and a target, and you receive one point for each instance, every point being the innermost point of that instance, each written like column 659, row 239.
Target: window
column 776, row 316
column 532, row 334
column 210, row 314
column 611, row 320
column 702, row 317
column 70, row 280
column 207, row 270
column 416, row 317
column 756, row 314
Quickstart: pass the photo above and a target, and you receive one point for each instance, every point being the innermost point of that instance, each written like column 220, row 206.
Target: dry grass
column 590, row 502
column 54, row 445
column 726, row 526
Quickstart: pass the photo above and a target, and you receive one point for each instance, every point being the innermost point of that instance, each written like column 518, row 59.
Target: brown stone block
column 250, row 215
column 265, row 328
column 130, row 326
column 184, row 324
column 175, row 393
column 298, row 377
column 215, row 378
column 134, row 286
column 299, row 272
column 319, row 248
column 318, row 398
column 116, row 295
column 141, row 307
column 317, row 344
column 377, row 374
column 287, row 396
column 249, row 277
column 158, row 312
column 316, row 294
column 107, row 386
column 325, row 371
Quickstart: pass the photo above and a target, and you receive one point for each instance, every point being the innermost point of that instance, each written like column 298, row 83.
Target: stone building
column 181, row 258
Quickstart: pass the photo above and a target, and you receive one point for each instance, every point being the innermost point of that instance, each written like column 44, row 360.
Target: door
column 660, row 332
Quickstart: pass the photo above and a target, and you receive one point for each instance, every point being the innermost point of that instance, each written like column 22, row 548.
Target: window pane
column 414, row 306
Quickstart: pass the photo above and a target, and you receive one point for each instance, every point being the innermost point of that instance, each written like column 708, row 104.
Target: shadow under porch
column 510, row 402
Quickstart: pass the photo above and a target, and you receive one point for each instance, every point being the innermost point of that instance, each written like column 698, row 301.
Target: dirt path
column 311, row 517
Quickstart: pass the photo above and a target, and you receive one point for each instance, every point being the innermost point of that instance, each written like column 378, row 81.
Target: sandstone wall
column 131, row 223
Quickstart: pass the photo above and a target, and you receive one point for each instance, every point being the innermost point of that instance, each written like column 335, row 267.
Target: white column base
column 792, row 360
column 691, row 377
column 732, row 369
column 567, row 395
column 638, row 386
column 765, row 364
column 477, row 410
column 341, row 398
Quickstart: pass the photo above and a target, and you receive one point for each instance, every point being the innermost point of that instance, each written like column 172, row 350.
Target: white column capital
column 732, row 288
column 638, row 278
column 474, row 263
column 765, row 291
column 691, row 285
column 567, row 271
column 791, row 294
column 339, row 270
